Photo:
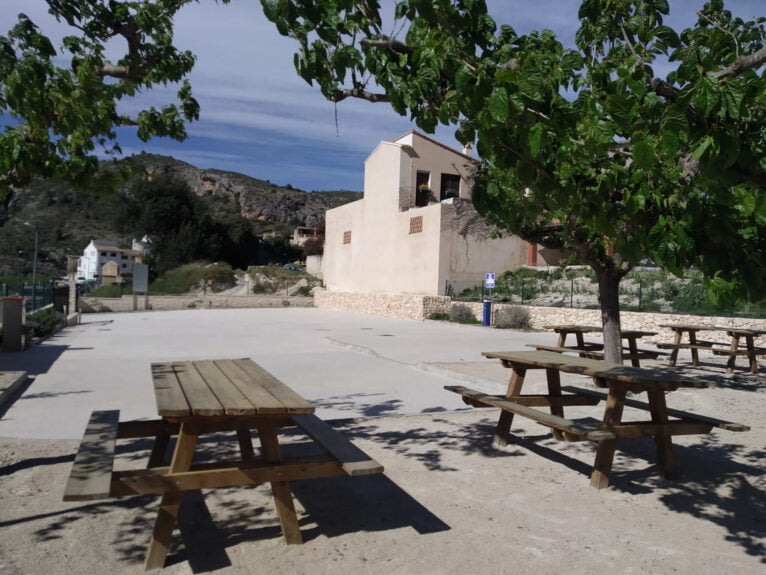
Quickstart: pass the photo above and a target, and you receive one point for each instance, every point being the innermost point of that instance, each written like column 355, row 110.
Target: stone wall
column 419, row 307
column 542, row 316
column 402, row 306
column 166, row 303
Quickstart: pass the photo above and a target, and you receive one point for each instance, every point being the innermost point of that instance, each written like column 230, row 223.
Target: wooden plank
column 541, row 400
column 602, row 466
column 570, row 428
column 635, row 429
column 228, row 394
column 704, row 345
column 280, row 490
column 685, row 415
column 353, row 460
column 293, row 402
column 171, row 401
column 171, row 500
column 159, row 480
column 91, row 475
column 262, row 400
column 147, row 428
column 202, row 400
column 640, row 376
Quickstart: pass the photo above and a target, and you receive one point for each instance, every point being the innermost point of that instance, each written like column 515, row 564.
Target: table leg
column 503, row 429
column 676, row 343
column 750, row 341
column 615, row 403
column 562, row 339
column 695, row 353
column 633, row 352
column 171, row 501
column 554, row 390
column 580, row 340
column 665, row 456
column 246, row 445
column 733, row 357
column 283, row 497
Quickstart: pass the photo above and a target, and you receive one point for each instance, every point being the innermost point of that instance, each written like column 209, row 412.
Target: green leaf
column 643, row 154
column 534, row 139
column 707, row 95
column 498, row 104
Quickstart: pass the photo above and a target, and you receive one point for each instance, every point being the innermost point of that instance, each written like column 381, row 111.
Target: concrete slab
column 349, row 365
column 10, row 381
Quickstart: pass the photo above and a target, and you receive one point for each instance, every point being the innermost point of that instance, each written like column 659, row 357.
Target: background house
column 415, row 230
column 92, row 265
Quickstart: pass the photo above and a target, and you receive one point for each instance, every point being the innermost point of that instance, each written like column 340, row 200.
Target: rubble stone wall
column 167, row 302
column 419, row 307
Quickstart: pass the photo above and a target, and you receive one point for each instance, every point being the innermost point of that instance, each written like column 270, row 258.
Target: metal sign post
column 141, row 284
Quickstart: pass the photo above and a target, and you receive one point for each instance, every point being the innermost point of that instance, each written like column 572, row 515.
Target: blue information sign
column 489, row 280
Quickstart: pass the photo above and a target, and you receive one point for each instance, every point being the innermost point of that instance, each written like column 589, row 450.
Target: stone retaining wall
column 167, row 302
column 419, row 307
column 402, row 306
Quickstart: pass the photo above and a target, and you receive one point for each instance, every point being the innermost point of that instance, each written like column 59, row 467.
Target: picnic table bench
column 594, row 350
column 618, row 380
column 734, row 350
column 210, row 396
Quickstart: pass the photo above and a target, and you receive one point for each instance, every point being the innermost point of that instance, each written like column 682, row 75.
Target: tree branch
column 360, row 93
column 388, row 43
column 743, row 64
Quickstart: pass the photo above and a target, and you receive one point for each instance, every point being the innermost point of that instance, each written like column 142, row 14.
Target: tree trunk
column 608, row 288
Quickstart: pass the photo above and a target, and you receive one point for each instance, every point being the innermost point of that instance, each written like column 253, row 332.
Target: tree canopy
column 583, row 148
column 65, row 101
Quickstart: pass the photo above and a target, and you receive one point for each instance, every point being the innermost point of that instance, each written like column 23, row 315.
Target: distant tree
column 582, row 148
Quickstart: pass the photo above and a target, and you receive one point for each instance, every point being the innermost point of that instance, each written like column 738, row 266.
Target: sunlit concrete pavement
column 349, row 365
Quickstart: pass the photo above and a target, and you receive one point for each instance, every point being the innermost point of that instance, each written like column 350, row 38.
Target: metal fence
column 36, row 295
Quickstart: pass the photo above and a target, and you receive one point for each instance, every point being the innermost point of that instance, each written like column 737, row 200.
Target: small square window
column 347, row 237
column 416, row 225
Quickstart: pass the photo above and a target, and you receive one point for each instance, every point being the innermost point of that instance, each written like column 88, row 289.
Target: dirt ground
column 448, row 502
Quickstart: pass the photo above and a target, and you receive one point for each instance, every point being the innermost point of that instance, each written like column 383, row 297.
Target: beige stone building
column 415, row 230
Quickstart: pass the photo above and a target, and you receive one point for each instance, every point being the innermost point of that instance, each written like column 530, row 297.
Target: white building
column 415, row 230
column 90, row 266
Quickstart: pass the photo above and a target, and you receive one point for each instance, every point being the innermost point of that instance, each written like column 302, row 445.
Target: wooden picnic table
column 735, row 349
column 211, row 396
column 618, row 380
column 593, row 349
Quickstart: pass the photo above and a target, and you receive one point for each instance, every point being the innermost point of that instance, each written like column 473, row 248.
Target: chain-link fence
column 647, row 290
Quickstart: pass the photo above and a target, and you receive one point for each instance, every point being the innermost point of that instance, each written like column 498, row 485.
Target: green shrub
column 439, row 316
column 513, row 317
column 461, row 313
column 44, row 322
column 219, row 276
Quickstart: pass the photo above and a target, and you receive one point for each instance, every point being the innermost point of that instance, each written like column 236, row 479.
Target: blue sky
column 259, row 118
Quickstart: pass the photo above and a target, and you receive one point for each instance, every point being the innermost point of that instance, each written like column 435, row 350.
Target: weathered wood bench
column 353, row 460
column 569, row 430
column 686, row 416
column 92, row 476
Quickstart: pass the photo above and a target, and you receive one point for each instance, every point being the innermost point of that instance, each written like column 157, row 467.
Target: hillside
column 67, row 219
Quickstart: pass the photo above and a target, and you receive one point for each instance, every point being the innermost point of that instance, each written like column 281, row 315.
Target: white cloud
column 257, row 114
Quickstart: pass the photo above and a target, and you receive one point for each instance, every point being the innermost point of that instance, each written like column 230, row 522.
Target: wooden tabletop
column 574, row 328
column 731, row 330
column 209, row 388
column 635, row 376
